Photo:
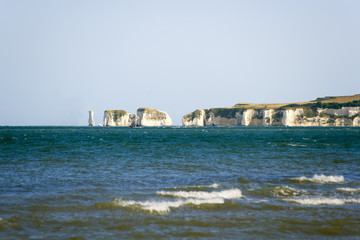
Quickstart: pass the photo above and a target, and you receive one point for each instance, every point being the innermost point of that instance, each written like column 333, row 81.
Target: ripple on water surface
column 161, row 183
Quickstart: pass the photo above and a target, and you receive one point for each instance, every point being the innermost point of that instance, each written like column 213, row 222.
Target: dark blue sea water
column 179, row 183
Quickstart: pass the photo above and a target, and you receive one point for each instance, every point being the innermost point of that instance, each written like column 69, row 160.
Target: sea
column 179, row 183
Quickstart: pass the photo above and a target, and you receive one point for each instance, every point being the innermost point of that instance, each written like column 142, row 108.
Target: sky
column 60, row 59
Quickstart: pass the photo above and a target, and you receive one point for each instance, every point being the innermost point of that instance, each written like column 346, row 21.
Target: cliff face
column 345, row 116
column 196, row 118
column 153, row 117
column 144, row 117
column 331, row 111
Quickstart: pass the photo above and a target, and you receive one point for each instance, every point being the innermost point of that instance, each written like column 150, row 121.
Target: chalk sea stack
column 91, row 118
column 144, row 117
column 153, row 117
column 119, row 118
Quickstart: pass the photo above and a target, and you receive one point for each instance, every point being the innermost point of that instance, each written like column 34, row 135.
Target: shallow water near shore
column 179, row 183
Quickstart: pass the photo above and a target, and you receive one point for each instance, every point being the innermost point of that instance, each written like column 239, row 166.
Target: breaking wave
column 186, row 198
column 320, row 179
column 287, row 191
column 227, row 194
column 214, row 185
column 164, row 206
column 323, row 201
column 349, row 190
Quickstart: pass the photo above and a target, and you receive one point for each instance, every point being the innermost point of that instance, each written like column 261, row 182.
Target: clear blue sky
column 59, row 59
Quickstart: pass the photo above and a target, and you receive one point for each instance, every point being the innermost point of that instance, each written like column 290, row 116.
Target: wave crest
column 323, row 201
column 184, row 198
column 349, row 190
column 320, row 179
column 164, row 206
column 287, row 191
column 226, row 194
column 198, row 187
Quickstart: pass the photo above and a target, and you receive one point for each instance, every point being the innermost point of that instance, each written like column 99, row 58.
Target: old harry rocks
column 143, row 117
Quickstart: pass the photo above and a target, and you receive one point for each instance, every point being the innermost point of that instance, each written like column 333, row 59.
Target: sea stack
column 144, row 117
column 153, row 117
column 120, row 118
column 91, row 118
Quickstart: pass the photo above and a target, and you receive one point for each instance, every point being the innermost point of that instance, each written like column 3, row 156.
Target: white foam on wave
column 227, row 194
column 323, row 201
column 164, row 206
column 296, row 145
column 288, row 191
column 187, row 197
column 350, row 190
column 321, row 179
column 214, row 185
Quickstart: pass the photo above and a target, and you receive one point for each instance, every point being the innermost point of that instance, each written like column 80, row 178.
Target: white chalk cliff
column 153, row 117
column 119, row 118
column 144, row 117
column 344, row 116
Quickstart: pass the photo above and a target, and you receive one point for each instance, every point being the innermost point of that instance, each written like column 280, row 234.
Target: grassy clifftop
column 150, row 110
column 310, row 107
column 325, row 102
column 153, row 113
column 116, row 114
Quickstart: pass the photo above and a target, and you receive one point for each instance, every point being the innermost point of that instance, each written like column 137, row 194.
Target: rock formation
column 144, row 117
column 329, row 111
column 119, row 118
column 153, row 117
column 91, row 118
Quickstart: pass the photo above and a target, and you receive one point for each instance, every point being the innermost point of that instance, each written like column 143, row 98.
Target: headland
column 326, row 111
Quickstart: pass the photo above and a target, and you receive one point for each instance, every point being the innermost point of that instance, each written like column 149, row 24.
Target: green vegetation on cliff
column 320, row 104
column 326, row 102
column 116, row 114
column 324, row 115
column 119, row 113
column 147, row 109
column 191, row 116
column 153, row 113
column 224, row 112
column 310, row 107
